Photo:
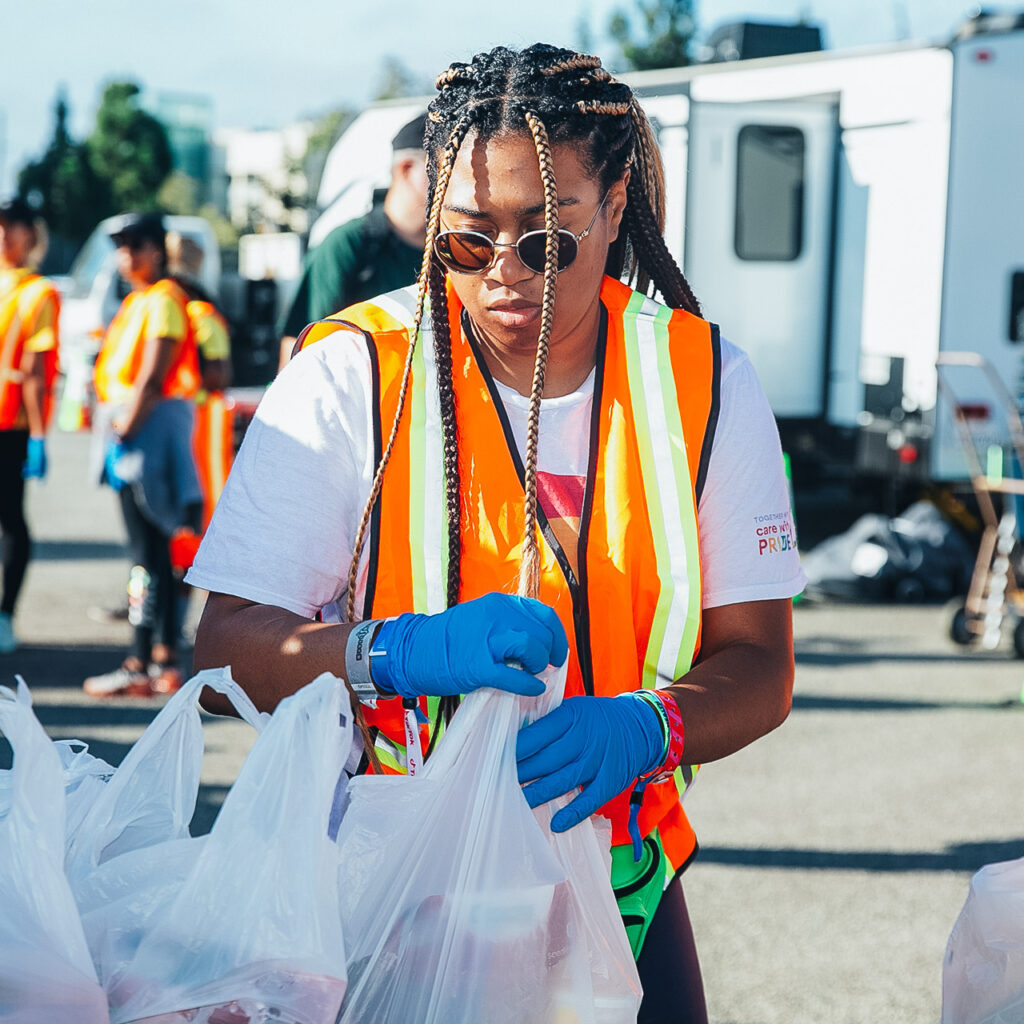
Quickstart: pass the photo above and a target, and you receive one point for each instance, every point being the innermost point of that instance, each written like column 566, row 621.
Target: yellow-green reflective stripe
column 417, row 467
column 685, row 617
column 389, row 753
column 427, row 524
column 662, row 449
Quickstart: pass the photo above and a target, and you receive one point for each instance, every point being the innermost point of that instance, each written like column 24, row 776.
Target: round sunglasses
column 471, row 252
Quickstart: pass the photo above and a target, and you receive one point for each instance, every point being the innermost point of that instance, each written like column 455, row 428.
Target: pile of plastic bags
column 314, row 898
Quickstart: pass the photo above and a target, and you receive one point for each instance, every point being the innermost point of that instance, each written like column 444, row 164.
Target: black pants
column 668, row 966
column 152, row 594
column 15, row 543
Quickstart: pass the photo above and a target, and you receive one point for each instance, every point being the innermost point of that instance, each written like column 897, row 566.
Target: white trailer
column 844, row 216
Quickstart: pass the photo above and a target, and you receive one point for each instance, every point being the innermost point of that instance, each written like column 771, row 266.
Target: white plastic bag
column 46, row 974
column 983, row 972
column 459, row 905
column 253, row 933
column 132, row 848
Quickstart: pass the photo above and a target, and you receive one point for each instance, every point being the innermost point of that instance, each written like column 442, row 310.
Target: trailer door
column 759, row 229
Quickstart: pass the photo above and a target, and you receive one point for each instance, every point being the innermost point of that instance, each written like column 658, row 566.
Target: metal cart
column 994, row 594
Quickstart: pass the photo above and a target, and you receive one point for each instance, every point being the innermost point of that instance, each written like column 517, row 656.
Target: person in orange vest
column 29, row 313
column 213, row 440
column 539, row 419
column 146, row 378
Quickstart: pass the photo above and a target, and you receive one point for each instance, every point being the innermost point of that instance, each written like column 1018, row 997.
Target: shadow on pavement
column 961, row 857
column 814, row 702
column 77, row 550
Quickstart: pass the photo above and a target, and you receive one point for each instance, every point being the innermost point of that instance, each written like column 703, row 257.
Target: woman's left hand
column 599, row 743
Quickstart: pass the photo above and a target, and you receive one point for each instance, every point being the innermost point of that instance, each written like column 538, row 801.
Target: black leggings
column 152, row 603
column 15, row 543
column 668, row 966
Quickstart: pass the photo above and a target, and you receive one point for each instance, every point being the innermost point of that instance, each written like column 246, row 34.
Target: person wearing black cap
column 145, row 378
column 29, row 308
column 372, row 254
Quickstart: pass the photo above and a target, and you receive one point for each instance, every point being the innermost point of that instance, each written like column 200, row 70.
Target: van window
column 769, row 192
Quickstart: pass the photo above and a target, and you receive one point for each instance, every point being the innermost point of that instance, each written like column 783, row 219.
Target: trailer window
column 769, row 192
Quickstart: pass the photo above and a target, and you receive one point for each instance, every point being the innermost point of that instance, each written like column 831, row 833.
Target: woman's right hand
column 469, row 646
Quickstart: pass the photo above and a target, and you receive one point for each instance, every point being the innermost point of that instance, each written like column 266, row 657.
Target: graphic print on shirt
column 561, row 500
column 773, row 533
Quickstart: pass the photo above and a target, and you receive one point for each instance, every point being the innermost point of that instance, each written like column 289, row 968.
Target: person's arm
column 33, row 391
column 483, row 642
column 272, row 652
column 742, row 685
column 157, row 356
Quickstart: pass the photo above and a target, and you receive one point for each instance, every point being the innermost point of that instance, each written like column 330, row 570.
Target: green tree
column 129, row 148
column 666, row 28
column 63, row 185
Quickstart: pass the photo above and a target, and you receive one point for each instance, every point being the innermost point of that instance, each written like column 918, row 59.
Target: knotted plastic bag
column 983, row 972
column 46, row 974
column 459, row 905
column 252, row 933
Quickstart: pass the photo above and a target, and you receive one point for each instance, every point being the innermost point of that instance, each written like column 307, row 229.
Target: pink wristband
column 676, row 734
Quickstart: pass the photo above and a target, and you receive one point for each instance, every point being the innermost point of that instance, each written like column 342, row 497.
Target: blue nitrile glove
column 599, row 743
column 110, row 460
column 35, row 459
column 466, row 647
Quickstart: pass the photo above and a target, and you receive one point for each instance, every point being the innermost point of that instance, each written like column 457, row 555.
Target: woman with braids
column 522, row 414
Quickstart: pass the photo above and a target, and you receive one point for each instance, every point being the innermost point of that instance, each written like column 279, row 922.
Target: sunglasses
column 470, row 252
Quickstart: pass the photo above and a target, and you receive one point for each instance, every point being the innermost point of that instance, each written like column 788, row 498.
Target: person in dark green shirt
column 370, row 255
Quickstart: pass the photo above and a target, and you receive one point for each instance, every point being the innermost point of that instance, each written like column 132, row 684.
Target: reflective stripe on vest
column 654, row 399
column 19, row 311
column 213, row 447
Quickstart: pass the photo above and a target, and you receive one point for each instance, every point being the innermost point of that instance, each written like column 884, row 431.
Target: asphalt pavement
column 835, row 853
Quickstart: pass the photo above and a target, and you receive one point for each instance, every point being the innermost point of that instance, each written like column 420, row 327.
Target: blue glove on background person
column 599, row 743
column 466, row 647
column 110, row 460
column 34, row 466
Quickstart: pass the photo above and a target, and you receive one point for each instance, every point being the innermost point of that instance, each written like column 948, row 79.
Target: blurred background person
column 373, row 254
column 29, row 309
column 146, row 378
column 214, row 426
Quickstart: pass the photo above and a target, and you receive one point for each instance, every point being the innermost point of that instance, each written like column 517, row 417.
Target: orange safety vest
column 19, row 315
column 633, row 614
column 213, row 446
column 120, row 359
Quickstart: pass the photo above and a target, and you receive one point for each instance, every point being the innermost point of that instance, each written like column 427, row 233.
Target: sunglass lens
column 464, row 250
column 532, row 245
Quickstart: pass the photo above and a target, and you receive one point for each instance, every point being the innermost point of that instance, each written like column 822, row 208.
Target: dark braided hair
column 559, row 97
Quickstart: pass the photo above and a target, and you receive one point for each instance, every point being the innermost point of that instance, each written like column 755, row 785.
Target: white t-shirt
column 284, row 528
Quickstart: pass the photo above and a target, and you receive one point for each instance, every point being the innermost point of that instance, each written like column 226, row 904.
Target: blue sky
column 266, row 64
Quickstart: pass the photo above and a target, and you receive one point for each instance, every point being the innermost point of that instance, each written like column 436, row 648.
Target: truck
column 845, row 217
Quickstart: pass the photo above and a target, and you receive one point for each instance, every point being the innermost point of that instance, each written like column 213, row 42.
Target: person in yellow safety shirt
column 29, row 312
column 146, row 378
column 539, row 417
column 213, row 440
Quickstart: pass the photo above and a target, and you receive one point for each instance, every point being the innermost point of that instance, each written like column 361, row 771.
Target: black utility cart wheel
column 959, row 631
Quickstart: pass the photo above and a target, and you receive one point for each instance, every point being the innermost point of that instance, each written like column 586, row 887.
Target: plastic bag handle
column 219, row 679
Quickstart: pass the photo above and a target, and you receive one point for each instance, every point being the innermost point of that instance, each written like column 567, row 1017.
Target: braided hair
column 558, row 96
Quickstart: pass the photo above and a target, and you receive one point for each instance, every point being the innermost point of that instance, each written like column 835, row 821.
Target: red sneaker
column 165, row 678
